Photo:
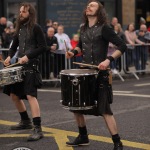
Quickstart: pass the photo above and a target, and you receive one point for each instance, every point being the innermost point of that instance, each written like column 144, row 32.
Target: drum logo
column 22, row 148
column 75, row 82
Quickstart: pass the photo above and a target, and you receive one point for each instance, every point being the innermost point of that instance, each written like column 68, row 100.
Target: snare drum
column 11, row 75
column 78, row 87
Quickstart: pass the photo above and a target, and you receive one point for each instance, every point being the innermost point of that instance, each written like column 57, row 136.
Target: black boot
column 81, row 140
column 36, row 134
column 23, row 124
column 118, row 146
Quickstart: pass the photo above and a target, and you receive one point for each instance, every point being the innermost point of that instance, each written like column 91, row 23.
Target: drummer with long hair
column 31, row 42
column 95, row 36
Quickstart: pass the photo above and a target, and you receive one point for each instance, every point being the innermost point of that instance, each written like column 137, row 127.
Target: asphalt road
column 131, row 108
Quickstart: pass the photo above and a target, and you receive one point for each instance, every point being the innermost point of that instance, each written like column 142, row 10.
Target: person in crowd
column 49, row 23
column 63, row 45
column 114, row 21
column 30, row 40
column 7, row 36
column 111, row 50
column 52, row 46
column 131, row 39
column 142, row 51
column 95, row 36
column 74, row 42
column 142, row 21
column 1, row 58
column 3, row 25
column 118, row 30
column 55, row 26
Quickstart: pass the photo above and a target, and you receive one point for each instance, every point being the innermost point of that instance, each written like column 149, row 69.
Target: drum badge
column 75, row 82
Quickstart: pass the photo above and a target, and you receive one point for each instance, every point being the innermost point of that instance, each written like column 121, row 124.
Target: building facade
column 69, row 12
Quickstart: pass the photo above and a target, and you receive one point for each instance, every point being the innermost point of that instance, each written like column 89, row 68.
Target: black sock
column 37, row 121
column 116, row 138
column 24, row 115
column 83, row 130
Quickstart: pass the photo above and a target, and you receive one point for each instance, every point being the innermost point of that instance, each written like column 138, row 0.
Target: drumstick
column 12, row 65
column 66, row 46
column 88, row 65
column 83, row 64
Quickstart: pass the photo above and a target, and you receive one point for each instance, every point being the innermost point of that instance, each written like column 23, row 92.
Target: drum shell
column 78, row 91
column 11, row 76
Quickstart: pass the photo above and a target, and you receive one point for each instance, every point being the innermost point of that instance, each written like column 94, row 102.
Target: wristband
column 75, row 52
column 110, row 58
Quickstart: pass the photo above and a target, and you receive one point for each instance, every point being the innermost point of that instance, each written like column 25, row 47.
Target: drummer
column 95, row 34
column 30, row 39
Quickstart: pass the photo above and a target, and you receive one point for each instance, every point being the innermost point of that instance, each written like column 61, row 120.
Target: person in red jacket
column 74, row 42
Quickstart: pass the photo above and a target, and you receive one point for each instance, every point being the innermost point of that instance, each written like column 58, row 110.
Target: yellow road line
column 61, row 137
column 61, row 141
column 21, row 135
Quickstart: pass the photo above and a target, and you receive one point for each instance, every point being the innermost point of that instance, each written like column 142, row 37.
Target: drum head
column 80, row 72
column 10, row 69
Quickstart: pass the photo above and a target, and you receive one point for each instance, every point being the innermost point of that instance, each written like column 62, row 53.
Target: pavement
column 131, row 108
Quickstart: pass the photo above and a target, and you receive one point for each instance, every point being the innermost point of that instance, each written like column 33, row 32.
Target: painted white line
column 145, row 84
column 44, row 90
column 132, row 95
column 58, row 91
column 118, row 93
column 123, row 92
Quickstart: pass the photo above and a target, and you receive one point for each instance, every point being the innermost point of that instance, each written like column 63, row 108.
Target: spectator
column 114, row 21
column 55, row 26
column 120, row 33
column 142, row 51
column 7, row 37
column 49, row 23
column 132, row 39
column 111, row 50
column 142, row 21
column 1, row 58
column 3, row 25
column 60, row 53
column 52, row 45
column 74, row 42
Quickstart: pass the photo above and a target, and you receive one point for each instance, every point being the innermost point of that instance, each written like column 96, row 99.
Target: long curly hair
column 31, row 20
column 101, row 15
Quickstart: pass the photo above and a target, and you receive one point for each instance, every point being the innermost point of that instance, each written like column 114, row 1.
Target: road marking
column 145, row 84
column 61, row 137
column 132, row 95
column 44, row 90
column 123, row 92
column 59, row 91
column 117, row 93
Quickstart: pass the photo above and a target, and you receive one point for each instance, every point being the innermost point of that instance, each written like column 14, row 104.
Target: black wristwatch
column 110, row 58
column 75, row 52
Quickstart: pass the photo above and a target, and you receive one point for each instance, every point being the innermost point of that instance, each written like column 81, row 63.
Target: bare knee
column 30, row 98
column 14, row 98
column 78, row 114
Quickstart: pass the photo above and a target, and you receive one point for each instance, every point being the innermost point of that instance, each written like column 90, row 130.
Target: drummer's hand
column 23, row 60
column 7, row 61
column 69, row 54
column 104, row 65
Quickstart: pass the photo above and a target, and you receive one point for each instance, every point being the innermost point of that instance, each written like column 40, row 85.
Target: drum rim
column 11, row 69
column 73, row 74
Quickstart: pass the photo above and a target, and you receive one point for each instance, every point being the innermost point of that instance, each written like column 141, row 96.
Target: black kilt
column 103, row 95
column 29, row 84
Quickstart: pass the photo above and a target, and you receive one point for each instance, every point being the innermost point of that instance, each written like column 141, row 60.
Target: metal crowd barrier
column 135, row 61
